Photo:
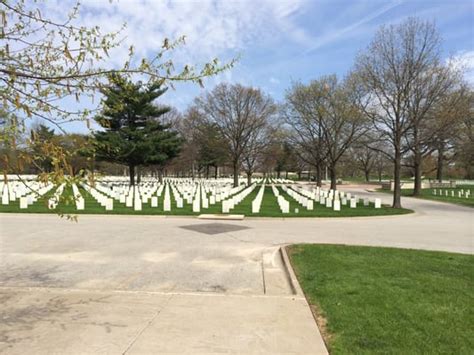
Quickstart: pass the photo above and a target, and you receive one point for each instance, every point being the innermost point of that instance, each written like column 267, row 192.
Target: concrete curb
column 294, row 284
column 299, row 291
column 195, row 217
column 223, row 217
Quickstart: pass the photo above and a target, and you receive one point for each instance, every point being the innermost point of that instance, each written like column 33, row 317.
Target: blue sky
column 279, row 41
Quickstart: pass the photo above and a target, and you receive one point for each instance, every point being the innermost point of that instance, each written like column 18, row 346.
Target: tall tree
column 327, row 111
column 133, row 134
column 447, row 121
column 41, row 137
column 303, row 114
column 464, row 142
column 400, row 61
column 253, row 152
column 210, row 146
column 237, row 112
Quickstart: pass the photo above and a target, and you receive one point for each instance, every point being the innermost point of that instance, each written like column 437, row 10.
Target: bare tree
column 329, row 117
column 464, row 142
column 342, row 123
column 188, row 125
column 447, row 120
column 433, row 81
column 303, row 115
column 364, row 157
column 237, row 112
column 254, row 151
column 393, row 71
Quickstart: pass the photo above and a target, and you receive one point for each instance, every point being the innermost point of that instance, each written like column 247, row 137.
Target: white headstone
column 225, row 206
column 5, row 199
column 167, row 204
column 137, row 206
column 23, row 203
column 196, row 205
column 109, row 204
column 80, row 204
column 378, row 203
column 337, row 205
column 353, row 203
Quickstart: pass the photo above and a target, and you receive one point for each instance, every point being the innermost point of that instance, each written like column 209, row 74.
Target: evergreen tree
column 41, row 137
column 133, row 134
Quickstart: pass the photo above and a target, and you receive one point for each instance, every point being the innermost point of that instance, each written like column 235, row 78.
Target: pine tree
column 133, row 134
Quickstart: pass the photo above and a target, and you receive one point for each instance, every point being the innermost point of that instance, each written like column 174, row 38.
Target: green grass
column 269, row 207
column 389, row 301
column 428, row 195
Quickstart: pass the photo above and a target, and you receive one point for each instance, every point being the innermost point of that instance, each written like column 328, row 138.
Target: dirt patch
column 322, row 322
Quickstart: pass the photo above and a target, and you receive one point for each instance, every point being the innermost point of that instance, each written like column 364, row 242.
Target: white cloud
column 212, row 28
column 335, row 35
column 464, row 61
column 273, row 80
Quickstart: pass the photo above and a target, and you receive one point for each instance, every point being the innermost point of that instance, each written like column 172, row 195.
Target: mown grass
column 389, row 301
column 269, row 207
column 428, row 195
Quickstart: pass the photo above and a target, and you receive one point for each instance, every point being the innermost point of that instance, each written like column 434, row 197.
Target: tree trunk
column 216, row 171
column 207, row 171
column 417, row 163
column 397, row 203
column 235, row 167
column 131, row 173
column 278, row 173
column 319, row 178
column 249, row 179
column 139, row 175
column 367, row 175
column 286, row 175
column 160, row 176
column 332, row 174
column 417, row 166
column 440, row 163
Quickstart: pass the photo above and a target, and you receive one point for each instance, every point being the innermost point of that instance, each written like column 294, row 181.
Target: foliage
column 133, row 133
column 45, row 61
column 238, row 112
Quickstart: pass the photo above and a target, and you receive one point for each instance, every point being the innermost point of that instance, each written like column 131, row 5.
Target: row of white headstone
column 27, row 192
column 282, row 202
column 329, row 198
column 460, row 193
column 336, row 199
column 257, row 201
column 237, row 198
column 199, row 195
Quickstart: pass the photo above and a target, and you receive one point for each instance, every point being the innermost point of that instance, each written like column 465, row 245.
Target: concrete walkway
column 141, row 284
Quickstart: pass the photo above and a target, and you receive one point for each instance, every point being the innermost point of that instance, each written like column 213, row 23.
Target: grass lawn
column 428, row 194
column 389, row 301
column 269, row 208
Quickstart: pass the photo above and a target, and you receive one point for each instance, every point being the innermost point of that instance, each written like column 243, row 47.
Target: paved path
column 139, row 284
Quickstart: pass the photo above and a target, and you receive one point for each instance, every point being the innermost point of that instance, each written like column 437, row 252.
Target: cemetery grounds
column 263, row 198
